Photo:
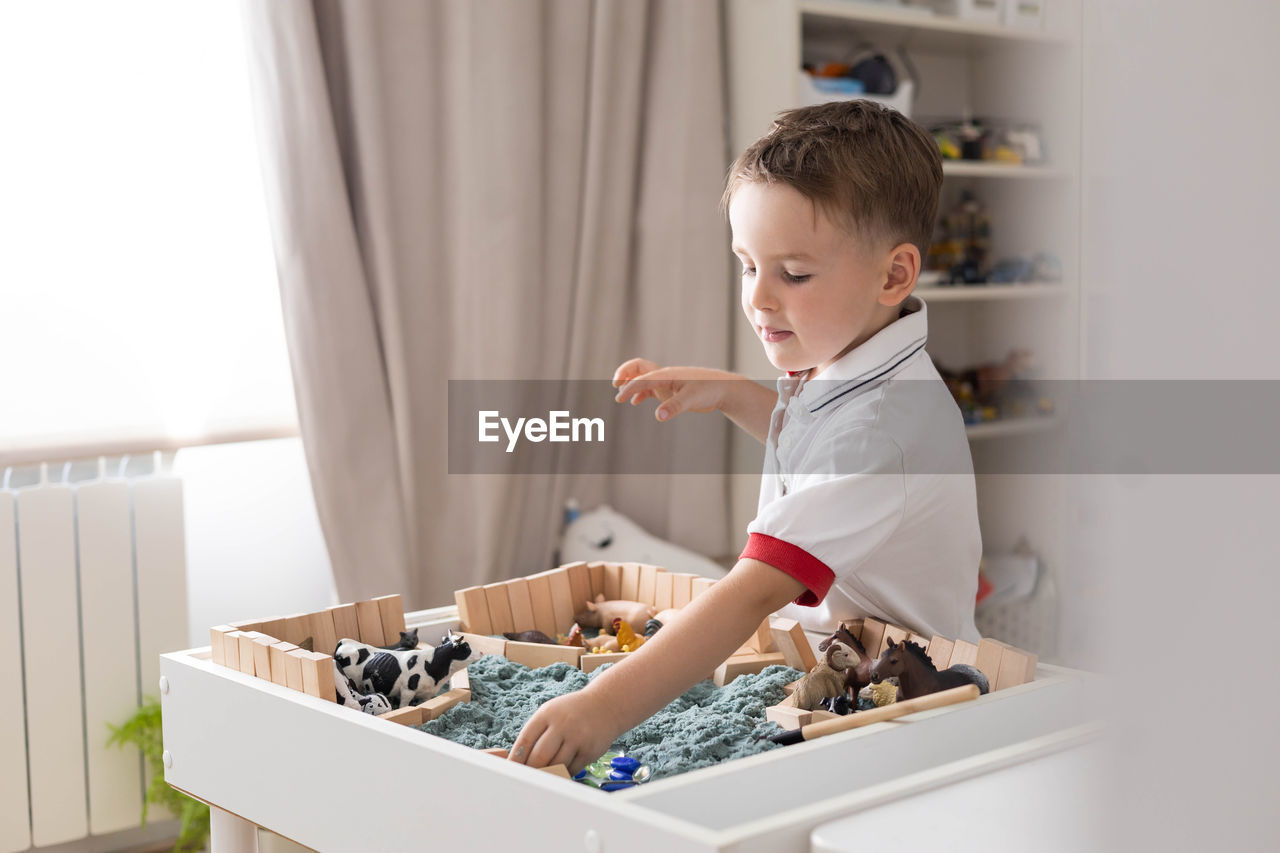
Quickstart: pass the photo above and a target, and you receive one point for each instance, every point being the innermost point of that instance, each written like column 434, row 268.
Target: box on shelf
column 816, row 90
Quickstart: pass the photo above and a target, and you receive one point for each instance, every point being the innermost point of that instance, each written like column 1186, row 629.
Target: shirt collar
column 876, row 358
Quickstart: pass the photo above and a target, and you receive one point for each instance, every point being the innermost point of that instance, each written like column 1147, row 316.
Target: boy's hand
column 572, row 730
column 677, row 389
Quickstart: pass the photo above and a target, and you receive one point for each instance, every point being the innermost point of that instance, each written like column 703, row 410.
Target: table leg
column 231, row 834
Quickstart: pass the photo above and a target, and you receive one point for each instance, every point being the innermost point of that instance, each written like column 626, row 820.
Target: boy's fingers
column 528, row 736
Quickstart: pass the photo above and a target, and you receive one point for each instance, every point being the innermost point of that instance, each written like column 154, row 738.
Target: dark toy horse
column 917, row 676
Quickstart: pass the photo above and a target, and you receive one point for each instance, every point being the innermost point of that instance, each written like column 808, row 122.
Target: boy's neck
column 895, row 313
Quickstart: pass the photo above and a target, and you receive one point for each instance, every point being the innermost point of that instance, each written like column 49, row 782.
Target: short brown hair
column 870, row 168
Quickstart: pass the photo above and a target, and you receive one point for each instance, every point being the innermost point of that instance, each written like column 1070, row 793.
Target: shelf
column 1013, row 426
column 989, row 292
column 914, row 28
column 978, row 169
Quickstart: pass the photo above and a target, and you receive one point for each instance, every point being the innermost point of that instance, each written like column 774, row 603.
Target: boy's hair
column 871, row 169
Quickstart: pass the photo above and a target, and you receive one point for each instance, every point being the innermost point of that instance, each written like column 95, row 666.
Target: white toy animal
column 402, row 675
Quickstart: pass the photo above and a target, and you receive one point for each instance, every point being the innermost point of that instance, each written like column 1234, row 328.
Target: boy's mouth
column 773, row 336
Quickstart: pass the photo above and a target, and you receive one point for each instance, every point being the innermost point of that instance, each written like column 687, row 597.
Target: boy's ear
column 904, row 271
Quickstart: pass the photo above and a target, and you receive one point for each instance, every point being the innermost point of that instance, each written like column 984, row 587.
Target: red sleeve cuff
column 794, row 561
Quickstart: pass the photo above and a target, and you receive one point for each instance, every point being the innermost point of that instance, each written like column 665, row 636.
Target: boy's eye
column 795, row 279
column 748, row 270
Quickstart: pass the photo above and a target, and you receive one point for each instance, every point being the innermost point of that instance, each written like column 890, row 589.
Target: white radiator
column 92, row 589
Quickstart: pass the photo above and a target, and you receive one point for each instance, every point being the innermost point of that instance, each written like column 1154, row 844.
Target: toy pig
column 600, row 613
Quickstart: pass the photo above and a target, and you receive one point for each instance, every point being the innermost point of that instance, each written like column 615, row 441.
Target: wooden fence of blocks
column 629, row 585
column 681, row 589
column 369, row 619
column 556, row 770
column 762, row 640
column 262, row 656
column 701, row 585
column 323, row 632
column 391, row 612
column 920, row 640
column 589, row 663
column 789, row 637
column 648, row 586
column 988, row 660
column 317, row 675
column 788, row 716
column 217, row 637
column 345, row 625
column 473, row 610
column 410, row 715
column 562, row 603
column 248, row 625
column 939, row 651
column 293, row 669
column 496, row 751
column 486, row 645
column 872, row 635
column 278, row 665
column 538, row 655
column 891, row 632
column 231, row 649
column 499, row 608
column 1016, row 667
column 662, row 591
column 521, row 605
column 612, row 581
column 579, row 586
column 595, row 575
column 245, row 640
column 745, row 665
column 296, row 629
column 460, row 680
column 433, row 708
column 963, row 652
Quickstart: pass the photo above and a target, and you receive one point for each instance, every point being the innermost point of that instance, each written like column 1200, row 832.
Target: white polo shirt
column 868, row 495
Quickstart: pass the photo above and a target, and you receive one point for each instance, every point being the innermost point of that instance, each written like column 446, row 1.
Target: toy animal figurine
column 601, row 644
column 349, row 696
column 628, row 639
column 529, row 637
column 408, row 640
column 600, row 613
column 402, row 675
column 917, row 676
column 884, row 693
column 858, row 676
column 574, row 637
column 825, row 679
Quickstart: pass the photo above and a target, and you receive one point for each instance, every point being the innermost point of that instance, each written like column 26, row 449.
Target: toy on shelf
column 917, row 675
column 403, row 676
column 614, row 771
column 827, row 679
column 601, row 613
column 997, row 390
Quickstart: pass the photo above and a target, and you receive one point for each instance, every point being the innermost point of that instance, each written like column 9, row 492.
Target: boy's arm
column 697, row 389
column 578, row 728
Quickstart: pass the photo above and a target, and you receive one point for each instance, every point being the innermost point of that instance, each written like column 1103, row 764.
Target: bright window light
column 138, row 291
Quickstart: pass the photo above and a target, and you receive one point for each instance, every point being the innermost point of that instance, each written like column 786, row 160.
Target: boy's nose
column 762, row 297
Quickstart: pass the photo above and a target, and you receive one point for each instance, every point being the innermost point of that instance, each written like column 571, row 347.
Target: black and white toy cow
column 402, row 675
column 349, row 695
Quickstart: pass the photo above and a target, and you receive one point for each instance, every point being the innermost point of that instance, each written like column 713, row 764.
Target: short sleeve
column 847, row 501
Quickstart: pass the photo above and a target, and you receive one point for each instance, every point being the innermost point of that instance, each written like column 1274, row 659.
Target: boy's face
column 810, row 291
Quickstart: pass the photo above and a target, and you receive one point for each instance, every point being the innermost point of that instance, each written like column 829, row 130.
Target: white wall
column 254, row 546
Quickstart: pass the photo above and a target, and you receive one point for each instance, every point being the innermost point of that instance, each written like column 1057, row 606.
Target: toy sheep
column 825, row 679
column 403, row 676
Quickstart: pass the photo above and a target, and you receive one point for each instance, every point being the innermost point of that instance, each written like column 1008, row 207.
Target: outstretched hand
column 677, row 389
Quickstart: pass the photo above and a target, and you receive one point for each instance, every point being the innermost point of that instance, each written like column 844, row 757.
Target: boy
column 867, row 504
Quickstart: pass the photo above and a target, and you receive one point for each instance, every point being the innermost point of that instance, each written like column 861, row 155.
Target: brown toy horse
column 917, row 676
column 855, row 677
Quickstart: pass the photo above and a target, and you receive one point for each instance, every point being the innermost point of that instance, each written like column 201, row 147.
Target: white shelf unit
column 961, row 69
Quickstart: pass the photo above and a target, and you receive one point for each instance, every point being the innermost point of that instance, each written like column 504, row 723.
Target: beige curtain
column 500, row 189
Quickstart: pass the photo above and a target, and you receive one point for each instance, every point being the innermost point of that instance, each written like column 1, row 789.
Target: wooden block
column 277, row 654
column 391, row 612
column 939, row 651
column 595, row 574
column 248, row 625
column 217, row 637
column 989, row 654
column 521, row 606
column 701, row 585
column 590, row 663
column 273, row 628
column 794, row 646
column 433, row 708
column 964, row 652
column 231, row 649
column 544, row 614
column 872, row 636
column 345, row 624
column 293, row 668
column 681, row 589
column 561, row 600
column 819, row 715
column 369, row 620
column 499, row 608
column 538, row 655
column 485, row 644
column 500, row 753
column 630, row 588
column 612, row 581
column 245, row 639
column 262, row 656
column 662, row 591
column 1016, row 667
column 648, row 583
column 324, row 634
column 317, row 675
column 473, row 610
column 410, row 715
column 788, row 716
column 579, row 585
column 460, row 680
column 296, row 629
column 762, row 640
column 891, row 632
column 556, row 770
column 745, row 665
